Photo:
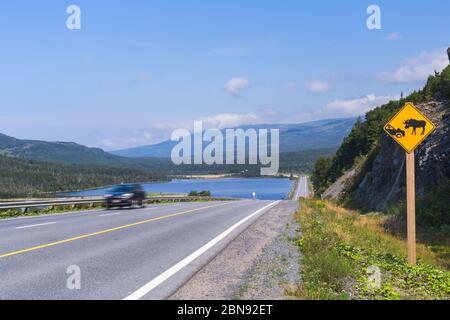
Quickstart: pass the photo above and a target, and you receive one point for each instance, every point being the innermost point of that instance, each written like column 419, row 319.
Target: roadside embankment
column 346, row 255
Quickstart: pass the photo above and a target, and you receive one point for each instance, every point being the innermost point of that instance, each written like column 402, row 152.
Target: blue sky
column 139, row 69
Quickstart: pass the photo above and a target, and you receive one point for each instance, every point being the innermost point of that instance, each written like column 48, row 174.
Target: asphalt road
column 121, row 254
column 302, row 188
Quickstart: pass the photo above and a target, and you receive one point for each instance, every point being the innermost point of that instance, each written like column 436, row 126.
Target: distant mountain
column 68, row 153
column 301, row 144
column 72, row 153
column 293, row 137
column 61, row 152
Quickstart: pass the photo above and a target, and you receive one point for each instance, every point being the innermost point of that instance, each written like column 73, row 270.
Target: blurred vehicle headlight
column 126, row 195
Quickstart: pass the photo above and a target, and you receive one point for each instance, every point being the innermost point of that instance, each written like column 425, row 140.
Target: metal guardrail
column 91, row 202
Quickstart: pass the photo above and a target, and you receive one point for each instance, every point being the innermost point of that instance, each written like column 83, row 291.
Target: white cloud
column 161, row 131
column 137, row 139
column 356, row 106
column 393, row 36
column 217, row 121
column 317, row 86
column 235, row 86
column 417, row 69
column 229, row 120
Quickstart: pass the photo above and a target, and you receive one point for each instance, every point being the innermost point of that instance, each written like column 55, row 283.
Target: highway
column 302, row 190
column 121, row 254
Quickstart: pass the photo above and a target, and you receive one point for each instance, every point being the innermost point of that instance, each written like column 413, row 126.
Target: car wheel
column 134, row 204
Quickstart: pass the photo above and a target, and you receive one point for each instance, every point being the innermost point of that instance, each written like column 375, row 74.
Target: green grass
column 339, row 246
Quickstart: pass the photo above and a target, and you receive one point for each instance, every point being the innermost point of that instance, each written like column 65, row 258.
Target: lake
column 265, row 188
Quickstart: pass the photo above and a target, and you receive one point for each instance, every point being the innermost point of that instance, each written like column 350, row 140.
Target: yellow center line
column 51, row 244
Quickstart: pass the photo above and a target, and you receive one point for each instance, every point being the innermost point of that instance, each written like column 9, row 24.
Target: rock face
column 384, row 184
column 337, row 189
column 448, row 53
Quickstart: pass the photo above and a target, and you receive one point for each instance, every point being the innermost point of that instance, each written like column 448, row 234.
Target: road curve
column 121, row 254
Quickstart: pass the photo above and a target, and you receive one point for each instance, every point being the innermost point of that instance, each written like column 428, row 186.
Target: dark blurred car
column 125, row 195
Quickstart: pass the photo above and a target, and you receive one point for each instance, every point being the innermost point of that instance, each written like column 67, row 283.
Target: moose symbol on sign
column 415, row 124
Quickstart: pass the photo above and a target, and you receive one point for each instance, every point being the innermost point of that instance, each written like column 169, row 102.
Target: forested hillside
column 303, row 161
column 26, row 178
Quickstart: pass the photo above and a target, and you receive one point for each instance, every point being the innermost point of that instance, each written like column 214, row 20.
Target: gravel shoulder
column 261, row 263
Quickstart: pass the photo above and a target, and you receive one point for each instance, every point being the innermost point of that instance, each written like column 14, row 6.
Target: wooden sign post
column 409, row 127
column 411, row 207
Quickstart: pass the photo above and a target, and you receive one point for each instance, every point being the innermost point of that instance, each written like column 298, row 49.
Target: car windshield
column 122, row 188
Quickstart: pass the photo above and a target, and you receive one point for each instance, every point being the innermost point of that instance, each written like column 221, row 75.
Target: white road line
column 35, row 225
column 110, row 214
column 141, row 292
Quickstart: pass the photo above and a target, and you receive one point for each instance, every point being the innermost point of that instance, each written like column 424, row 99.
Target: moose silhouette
column 415, row 124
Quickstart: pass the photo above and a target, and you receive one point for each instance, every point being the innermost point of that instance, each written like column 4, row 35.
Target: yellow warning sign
column 409, row 127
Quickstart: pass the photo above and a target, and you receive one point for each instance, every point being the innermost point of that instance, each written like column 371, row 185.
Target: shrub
column 204, row 193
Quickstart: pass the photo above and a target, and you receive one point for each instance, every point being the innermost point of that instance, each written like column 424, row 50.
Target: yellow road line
column 13, row 253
